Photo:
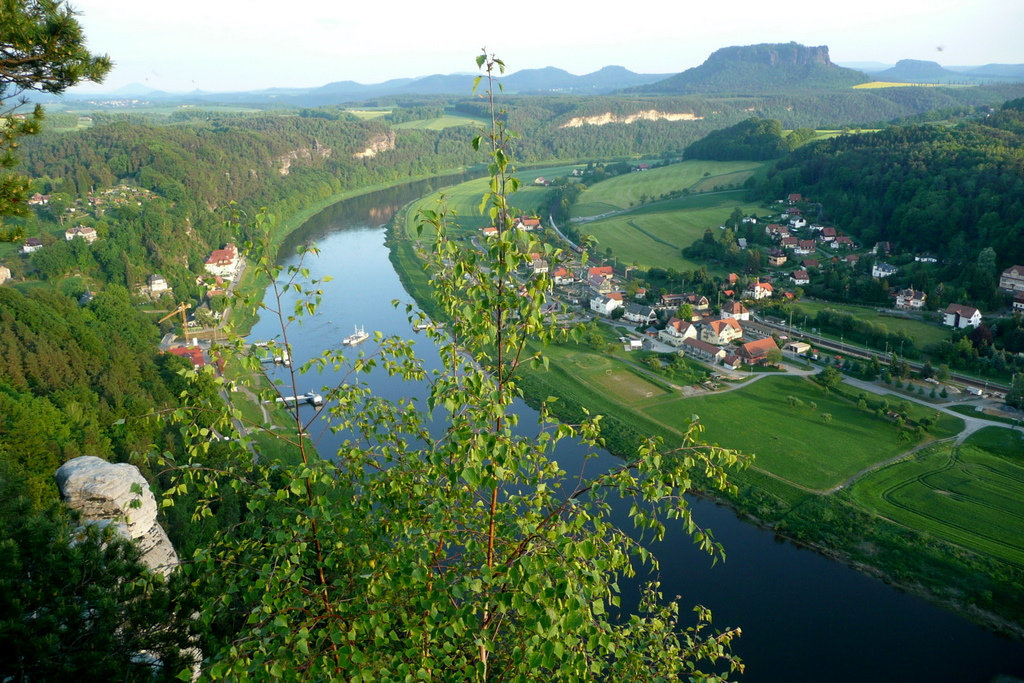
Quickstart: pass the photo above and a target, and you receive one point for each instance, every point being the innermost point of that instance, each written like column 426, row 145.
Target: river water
column 804, row 617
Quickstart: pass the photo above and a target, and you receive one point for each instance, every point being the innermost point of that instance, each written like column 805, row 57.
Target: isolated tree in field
column 449, row 547
column 829, row 377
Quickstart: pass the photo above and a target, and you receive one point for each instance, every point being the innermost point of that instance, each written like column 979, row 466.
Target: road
column 866, row 354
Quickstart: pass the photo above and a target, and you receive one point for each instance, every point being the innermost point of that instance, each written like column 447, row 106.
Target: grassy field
column 625, row 191
column 725, row 181
column 653, row 235
column 794, row 443
column 922, row 333
column 369, row 113
column 970, row 496
column 441, row 123
column 890, row 84
column 464, row 199
column 609, row 376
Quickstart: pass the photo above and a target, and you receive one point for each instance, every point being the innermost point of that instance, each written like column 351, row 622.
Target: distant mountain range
column 740, row 70
column 918, row 71
column 546, row 81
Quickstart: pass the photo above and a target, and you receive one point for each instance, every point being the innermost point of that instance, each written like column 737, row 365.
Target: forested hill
column 761, row 69
column 951, row 191
column 69, row 374
column 196, row 166
column 757, row 139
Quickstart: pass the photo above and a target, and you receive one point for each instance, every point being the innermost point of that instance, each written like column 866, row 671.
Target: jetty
column 310, row 397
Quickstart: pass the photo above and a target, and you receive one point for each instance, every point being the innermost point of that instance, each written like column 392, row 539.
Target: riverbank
column 252, row 284
column 832, row 525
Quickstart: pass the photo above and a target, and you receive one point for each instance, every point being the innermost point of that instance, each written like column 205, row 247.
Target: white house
column 957, row 315
column 734, row 309
column 910, row 299
column 721, row 332
column 759, row 290
column 677, row 331
column 604, row 304
column 32, row 244
column 562, row 276
column 1012, row 279
column 81, row 231
column 800, row 277
column 157, row 284
column 222, row 262
column 639, row 314
column 883, row 270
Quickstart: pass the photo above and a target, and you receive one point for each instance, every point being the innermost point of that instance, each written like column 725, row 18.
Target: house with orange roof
column 562, row 276
column 677, row 331
column 756, row 352
column 759, row 290
column 721, row 332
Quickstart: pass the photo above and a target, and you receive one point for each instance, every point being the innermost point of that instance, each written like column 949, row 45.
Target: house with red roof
column 960, row 316
column 756, row 352
column 193, row 354
column 704, row 351
column 223, row 262
column 735, row 310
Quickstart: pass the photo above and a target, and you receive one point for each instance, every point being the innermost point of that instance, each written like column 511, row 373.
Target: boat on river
column 357, row 337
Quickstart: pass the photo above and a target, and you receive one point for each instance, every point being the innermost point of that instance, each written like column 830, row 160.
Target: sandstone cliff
column 118, row 494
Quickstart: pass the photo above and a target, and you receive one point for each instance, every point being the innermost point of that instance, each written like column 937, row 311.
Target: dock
column 311, row 398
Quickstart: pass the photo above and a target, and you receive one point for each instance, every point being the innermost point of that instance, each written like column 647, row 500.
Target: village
column 725, row 332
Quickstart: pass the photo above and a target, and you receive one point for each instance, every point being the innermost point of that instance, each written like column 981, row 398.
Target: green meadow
column 969, row 495
column 625, row 191
column 653, row 235
column 923, row 333
column 463, row 200
column 440, row 123
column 792, row 440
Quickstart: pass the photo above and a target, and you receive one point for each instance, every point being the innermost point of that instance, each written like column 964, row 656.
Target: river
column 804, row 617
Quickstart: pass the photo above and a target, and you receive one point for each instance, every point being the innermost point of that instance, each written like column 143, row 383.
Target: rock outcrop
column 117, row 494
column 647, row 115
column 376, row 145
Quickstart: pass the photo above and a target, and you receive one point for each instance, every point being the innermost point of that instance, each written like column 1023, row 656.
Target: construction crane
column 182, row 307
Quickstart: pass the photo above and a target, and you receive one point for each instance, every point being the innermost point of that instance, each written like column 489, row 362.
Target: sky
column 228, row 45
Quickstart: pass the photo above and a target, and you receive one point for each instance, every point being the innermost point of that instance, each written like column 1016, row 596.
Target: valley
column 590, row 315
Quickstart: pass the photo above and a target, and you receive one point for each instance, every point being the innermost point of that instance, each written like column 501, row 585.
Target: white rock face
column 103, row 492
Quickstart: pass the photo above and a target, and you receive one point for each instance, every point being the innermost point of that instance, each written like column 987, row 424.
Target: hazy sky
column 222, row 45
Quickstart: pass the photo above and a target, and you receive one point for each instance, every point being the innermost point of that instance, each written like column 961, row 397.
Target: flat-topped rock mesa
column 118, row 494
column 769, row 68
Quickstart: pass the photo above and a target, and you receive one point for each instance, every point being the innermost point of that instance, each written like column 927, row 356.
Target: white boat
column 357, row 337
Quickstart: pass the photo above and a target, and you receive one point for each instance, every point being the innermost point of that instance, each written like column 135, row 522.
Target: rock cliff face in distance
column 118, row 494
